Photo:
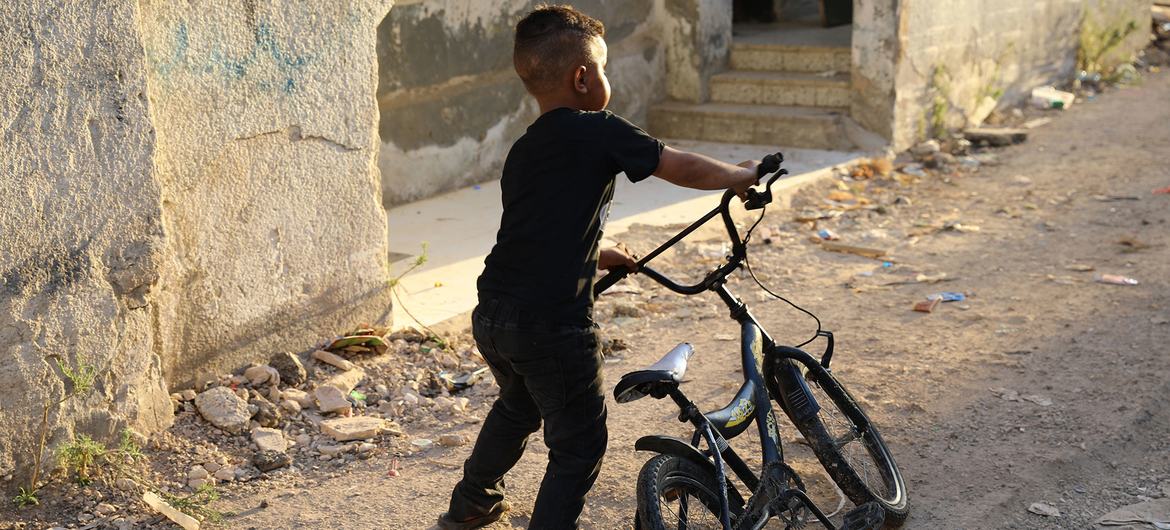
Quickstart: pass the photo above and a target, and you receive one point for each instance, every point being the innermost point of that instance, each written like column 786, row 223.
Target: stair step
column 781, row 88
column 790, row 58
column 814, row 127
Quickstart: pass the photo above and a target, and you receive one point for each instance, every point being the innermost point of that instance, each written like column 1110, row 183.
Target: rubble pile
column 349, row 398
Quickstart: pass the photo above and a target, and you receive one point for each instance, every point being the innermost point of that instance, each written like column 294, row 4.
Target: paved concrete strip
column 460, row 227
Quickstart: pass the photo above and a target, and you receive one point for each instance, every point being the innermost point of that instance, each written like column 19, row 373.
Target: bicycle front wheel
column 675, row 493
column 856, row 459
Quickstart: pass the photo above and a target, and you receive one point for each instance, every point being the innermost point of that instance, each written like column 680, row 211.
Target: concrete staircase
column 779, row 91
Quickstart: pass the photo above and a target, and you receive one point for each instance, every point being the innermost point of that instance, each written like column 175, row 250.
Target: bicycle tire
column 666, row 478
column 839, row 466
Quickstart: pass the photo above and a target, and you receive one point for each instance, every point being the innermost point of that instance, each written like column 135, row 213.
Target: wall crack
column 296, row 134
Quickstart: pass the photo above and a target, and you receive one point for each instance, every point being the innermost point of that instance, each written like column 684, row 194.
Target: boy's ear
column 579, row 84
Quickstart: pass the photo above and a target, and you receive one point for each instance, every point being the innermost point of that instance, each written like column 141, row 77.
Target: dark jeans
column 546, row 372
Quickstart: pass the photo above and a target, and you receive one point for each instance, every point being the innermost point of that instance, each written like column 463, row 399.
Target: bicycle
column 683, row 476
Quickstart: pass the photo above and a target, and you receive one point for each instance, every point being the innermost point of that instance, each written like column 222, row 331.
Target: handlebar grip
column 769, row 164
column 608, row 280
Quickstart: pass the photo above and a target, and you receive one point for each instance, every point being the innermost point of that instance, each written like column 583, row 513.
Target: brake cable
column 748, row 264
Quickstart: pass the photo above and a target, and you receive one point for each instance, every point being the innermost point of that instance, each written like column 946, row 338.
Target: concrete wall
column 184, row 187
column 451, row 104
column 265, row 116
column 81, row 239
column 875, row 51
column 949, row 56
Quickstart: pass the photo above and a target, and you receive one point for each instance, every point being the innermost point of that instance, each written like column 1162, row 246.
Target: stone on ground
column 267, row 461
column 346, row 381
column 355, row 428
column 267, row 439
column 292, row 372
column 331, row 399
column 183, row 520
column 333, row 359
column 224, row 409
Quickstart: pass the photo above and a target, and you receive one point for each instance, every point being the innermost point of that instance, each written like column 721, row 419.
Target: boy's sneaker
column 479, row 521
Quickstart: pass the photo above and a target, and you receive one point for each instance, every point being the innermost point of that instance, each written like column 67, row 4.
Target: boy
column 533, row 323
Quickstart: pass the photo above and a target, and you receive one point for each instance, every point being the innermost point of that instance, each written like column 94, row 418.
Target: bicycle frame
column 753, row 401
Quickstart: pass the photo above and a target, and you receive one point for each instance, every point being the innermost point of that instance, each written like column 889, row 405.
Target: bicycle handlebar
column 754, row 200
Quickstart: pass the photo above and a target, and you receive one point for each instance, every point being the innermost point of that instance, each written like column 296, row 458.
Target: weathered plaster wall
column 451, row 104
column 951, row 56
column 265, row 116
column 186, row 187
column 698, row 40
column 81, row 236
column 875, row 52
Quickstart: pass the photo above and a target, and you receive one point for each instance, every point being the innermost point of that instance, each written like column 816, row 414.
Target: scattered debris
column 268, row 439
column 267, row 461
column 332, row 359
column 1037, row 399
column 996, row 136
column 1132, row 244
column 1079, row 267
column 461, row 382
column 1162, row 191
column 1047, row 97
column 354, row 428
column 332, row 399
column 183, row 520
column 452, row 440
column 224, row 409
column 850, row 249
column 927, row 306
column 1114, row 279
column 1115, row 198
column 1153, row 514
column 292, row 372
column 870, row 168
column 1047, row 510
column 955, row 226
column 948, row 296
column 827, row 235
column 1036, row 123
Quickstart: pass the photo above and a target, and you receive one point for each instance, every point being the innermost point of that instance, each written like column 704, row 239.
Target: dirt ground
column 1043, row 386
column 1076, row 195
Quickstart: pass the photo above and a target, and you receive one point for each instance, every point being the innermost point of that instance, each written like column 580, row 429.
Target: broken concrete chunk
column 267, row 439
column 355, row 428
column 996, row 136
column 224, row 409
column 267, row 461
column 452, row 440
column 331, row 399
column 261, row 375
column 346, row 381
column 185, row 521
column 299, row 396
column 333, row 359
column 292, row 372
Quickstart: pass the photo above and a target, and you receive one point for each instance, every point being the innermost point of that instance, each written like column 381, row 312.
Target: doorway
column 823, row 13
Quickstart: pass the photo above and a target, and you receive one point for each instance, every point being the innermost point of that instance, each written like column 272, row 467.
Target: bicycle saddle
column 656, row 378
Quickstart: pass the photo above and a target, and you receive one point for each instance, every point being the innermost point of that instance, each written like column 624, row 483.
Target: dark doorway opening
column 825, row 13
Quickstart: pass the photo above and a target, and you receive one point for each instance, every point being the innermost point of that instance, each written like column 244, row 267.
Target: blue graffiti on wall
column 266, row 49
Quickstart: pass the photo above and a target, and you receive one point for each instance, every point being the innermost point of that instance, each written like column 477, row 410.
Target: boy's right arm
column 692, row 170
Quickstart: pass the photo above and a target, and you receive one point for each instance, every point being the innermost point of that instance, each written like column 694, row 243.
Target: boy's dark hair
column 551, row 40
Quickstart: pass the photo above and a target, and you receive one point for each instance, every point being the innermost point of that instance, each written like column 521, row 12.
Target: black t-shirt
column 557, row 185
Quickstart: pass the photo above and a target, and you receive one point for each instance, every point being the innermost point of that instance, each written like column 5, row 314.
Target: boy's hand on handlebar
column 617, row 257
column 750, row 175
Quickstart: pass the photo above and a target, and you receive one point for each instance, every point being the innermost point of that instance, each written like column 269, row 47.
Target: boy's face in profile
column 593, row 85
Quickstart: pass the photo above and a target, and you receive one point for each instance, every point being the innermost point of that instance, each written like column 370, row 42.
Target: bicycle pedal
column 868, row 516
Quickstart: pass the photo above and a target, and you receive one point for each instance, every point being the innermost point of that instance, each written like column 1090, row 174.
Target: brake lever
column 771, row 164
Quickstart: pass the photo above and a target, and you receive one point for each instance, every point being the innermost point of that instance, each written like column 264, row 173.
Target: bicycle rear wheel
column 675, row 493
column 858, row 461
